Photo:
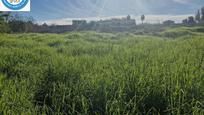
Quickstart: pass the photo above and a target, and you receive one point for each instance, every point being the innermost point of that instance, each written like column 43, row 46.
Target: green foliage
column 99, row 73
column 142, row 18
column 175, row 33
column 17, row 26
column 3, row 25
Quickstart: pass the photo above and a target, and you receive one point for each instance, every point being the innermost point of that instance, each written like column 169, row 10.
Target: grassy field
column 102, row 73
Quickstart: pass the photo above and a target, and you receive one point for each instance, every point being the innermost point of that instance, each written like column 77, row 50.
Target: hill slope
column 99, row 73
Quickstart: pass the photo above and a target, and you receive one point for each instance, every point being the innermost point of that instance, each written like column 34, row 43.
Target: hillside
column 103, row 73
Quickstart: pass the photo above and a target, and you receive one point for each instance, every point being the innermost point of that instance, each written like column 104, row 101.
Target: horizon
column 149, row 19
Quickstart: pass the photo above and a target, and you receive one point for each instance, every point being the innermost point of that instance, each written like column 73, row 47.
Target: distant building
column 168, row 22
column 118, row 22
column 79, row 22
column 115, row 24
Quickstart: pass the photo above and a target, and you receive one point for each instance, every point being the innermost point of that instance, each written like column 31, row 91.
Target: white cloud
column 183, row 1
column 63, row 21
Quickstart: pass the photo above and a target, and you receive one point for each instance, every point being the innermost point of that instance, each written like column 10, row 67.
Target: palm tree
column 143, row 18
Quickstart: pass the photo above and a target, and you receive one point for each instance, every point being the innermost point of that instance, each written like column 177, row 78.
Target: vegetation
column 198, row 19
column 151, row 69
column 142, row 18
column 100, row 73
column 3, row 25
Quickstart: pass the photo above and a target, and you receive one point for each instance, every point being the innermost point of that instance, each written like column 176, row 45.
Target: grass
column 101, row 73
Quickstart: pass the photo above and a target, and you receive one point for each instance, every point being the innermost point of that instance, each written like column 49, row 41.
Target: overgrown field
column 100, row 73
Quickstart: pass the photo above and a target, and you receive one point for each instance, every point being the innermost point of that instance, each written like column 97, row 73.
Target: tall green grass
column 99, row 73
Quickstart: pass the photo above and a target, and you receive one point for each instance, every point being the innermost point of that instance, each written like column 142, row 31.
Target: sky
column 63, row 11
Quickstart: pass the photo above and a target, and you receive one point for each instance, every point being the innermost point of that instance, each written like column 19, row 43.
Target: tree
column 191, row 20
column 44, row 25
column 1, row 19
column 185, row 21
column 128, row 17
column 197, row 17
column 142, row 18
column 1, row 16
column 202, row 13
column 3, row 24
column 19, row 23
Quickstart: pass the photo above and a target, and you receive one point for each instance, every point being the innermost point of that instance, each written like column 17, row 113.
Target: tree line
column 197, row 19
column 12, row 23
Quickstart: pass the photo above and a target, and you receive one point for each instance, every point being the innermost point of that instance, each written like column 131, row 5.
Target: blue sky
column 43, row 10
